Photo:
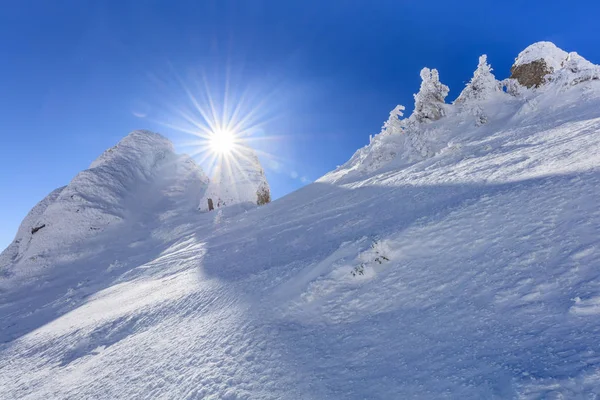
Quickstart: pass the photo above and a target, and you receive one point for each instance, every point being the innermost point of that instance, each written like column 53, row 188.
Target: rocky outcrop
column 536, row 62
column 532, row 74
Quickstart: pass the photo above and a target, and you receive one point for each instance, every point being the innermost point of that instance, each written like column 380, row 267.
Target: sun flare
column 222, row 142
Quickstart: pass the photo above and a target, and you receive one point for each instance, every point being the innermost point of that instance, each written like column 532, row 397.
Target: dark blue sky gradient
column 322, row 74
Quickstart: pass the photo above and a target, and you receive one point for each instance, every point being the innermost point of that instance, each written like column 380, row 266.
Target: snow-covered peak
column 127, row 182
column 140, row 145
column 543, row 62
column 547, row 51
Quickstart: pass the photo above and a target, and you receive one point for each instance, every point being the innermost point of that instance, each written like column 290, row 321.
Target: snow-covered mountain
column 455, row 256
column 140, row 174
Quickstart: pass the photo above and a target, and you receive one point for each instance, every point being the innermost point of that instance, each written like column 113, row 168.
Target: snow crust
column 466, row 268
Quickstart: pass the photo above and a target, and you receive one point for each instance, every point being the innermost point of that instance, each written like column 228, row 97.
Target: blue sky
column 76, row 76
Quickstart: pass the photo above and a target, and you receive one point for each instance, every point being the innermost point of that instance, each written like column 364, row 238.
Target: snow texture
column 470, row 271
column 141, row 170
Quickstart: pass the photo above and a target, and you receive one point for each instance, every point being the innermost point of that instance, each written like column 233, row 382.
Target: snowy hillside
column 456, row 256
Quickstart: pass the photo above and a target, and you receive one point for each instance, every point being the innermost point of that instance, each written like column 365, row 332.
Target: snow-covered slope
column 470, row 269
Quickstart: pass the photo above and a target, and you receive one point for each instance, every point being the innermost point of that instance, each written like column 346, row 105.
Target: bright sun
column 222, row 142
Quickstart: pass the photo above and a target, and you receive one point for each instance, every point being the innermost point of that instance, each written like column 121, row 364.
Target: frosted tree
column 482, row 85
column 430, row 101
column 394, row 122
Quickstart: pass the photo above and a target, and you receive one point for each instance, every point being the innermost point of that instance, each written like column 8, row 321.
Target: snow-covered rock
column 124, row 183
column 238, row 178
column 543, row 62
column 552, row 56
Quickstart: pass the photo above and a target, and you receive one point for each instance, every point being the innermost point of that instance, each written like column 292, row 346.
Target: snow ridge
column 427, row 130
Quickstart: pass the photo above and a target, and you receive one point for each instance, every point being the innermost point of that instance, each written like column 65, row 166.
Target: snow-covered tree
column 394, row 122
column 482, row 85
column 430, row 101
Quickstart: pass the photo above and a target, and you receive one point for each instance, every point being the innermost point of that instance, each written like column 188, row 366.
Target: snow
column 482, row 86
column 480, row 277
column 238, row 178
column 547, row 51
column 121, row 185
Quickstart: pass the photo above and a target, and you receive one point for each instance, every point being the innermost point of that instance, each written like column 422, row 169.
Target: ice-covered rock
column 237, row 178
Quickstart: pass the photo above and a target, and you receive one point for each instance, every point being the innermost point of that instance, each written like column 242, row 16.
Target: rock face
column 237, row 178
column 531, row 74
column 140, row 176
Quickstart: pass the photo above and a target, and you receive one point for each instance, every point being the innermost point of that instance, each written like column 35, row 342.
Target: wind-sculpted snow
column 122, row 184
column 473, row 272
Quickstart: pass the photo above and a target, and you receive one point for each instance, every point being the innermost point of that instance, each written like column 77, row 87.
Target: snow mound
column 238, row 178
column 118, row 186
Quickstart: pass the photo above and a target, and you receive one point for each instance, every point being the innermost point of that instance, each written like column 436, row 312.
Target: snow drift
column 455, row 256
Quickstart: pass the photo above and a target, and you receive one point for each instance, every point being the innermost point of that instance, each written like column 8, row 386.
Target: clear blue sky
column 76, row 76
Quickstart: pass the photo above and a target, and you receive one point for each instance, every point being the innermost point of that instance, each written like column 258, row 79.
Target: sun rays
column 223, row 124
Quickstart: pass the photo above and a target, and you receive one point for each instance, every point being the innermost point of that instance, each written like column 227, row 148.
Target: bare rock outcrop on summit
column 531, row 74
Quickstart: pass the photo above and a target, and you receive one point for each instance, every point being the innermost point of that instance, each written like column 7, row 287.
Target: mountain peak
column 552, row 55
column 137, row 144
column 140, row 175
column 535, row 62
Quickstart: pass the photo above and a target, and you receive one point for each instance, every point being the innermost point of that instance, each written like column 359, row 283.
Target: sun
column 222, row 142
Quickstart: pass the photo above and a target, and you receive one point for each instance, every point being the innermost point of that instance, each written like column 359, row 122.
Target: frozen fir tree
column 430, row 101
column 482, row 85
column 394, row 123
